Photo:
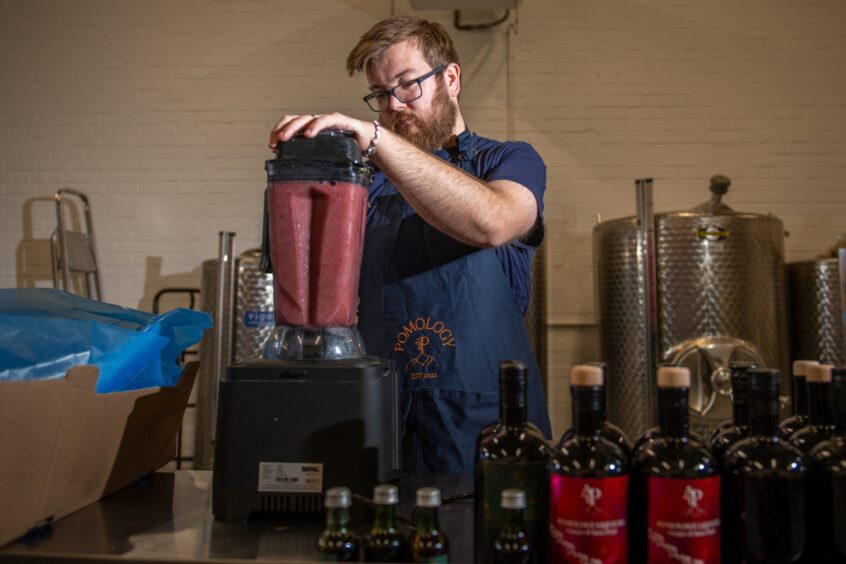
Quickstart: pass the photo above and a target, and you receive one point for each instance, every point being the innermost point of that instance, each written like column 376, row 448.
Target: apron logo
column 422, row 362
column 421, row 333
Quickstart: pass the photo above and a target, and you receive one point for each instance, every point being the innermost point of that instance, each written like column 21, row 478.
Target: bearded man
column 453, row 221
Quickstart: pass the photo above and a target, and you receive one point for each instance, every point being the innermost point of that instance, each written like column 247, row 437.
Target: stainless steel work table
column 168, row 518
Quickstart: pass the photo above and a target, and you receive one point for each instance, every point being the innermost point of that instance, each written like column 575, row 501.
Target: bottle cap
column 740, row 379
column 513, row 370
column 513, row 378
column 386, row 494
column 586, row 375
column 742, row 365
column 428, row 497
column 763, row 379
column 339, row 497
column 513, row 499
column 820, row 373
column 673, row 377
column 800, row 367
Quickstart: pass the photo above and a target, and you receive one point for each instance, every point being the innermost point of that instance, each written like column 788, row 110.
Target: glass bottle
column 655, row 431
column 737, row 395
column 675, row 484
column 384, row 543
column 732, row 431
column 428, row 542
column 609, row 431
column 337, row 543
column 588, row 482
column 512, row 544
column 764, row 483
column 513, row 454
column 826, row 502
column 818, row 382
column 800, row 400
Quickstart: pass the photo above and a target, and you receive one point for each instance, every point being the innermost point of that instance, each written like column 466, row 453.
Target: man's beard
column 433, row 133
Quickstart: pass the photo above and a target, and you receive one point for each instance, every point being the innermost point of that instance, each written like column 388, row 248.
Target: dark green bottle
column 384, row 543
column 428, row 542
column 826, row 498
column 800, row 400
column 765, row 477
column 736, row 429
column 512, row 454
column 819, row 427
column 337, row 543
column 512, row 544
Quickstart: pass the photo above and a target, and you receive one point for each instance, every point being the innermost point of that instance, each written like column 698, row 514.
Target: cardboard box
column 63, row 446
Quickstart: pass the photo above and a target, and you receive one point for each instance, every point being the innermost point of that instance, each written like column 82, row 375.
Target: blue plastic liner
column 45, row 332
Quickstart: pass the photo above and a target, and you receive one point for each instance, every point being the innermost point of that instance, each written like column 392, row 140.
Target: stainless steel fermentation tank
column 699, row 288
column 817, row 309
column 248, row 291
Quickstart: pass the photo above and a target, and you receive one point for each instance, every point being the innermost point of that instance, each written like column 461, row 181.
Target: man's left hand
column 311, row 125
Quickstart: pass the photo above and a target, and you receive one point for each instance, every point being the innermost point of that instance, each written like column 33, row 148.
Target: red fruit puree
column 316, row 231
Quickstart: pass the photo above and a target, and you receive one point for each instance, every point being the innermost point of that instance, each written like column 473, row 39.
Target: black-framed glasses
column 405, row 92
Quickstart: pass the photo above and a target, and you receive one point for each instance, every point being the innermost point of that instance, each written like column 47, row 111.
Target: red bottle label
column 588, row 519
column 684, row 520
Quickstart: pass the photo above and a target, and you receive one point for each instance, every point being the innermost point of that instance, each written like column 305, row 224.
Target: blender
column 315, row 411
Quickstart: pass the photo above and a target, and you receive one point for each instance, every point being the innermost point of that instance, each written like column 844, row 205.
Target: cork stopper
column 673, row 377
column 800, row 367
column 586, row 375
column 820, row 373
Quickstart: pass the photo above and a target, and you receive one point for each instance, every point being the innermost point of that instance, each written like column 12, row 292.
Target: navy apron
column 445, row 313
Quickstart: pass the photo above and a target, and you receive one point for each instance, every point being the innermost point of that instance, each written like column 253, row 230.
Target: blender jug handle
column 264, row 263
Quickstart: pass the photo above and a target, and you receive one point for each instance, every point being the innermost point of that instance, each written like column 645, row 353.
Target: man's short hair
column 430, row 37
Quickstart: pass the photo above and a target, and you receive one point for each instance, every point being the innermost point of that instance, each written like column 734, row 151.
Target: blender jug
column 289, row 424
column 315, row 211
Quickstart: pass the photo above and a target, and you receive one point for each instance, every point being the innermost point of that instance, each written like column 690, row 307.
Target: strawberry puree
column 316, row 231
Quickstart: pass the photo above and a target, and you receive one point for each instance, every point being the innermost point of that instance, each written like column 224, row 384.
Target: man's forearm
column 462, row 206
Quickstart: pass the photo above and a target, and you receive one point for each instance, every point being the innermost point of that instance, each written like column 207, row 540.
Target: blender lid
column 332, row 145
column 331, row 155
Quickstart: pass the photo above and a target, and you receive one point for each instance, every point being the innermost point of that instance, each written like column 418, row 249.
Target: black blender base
column 288, row 430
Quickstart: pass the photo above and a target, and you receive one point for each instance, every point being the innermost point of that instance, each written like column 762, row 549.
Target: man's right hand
column 311, row 124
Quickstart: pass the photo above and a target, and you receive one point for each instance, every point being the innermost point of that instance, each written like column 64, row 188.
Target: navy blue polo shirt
column 492, row 160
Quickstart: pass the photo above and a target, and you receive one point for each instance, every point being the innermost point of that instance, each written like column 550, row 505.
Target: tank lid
column 704, row 212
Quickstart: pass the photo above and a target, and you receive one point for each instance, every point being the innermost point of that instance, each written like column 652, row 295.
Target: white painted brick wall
column 610, row 91
column 159, row 111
